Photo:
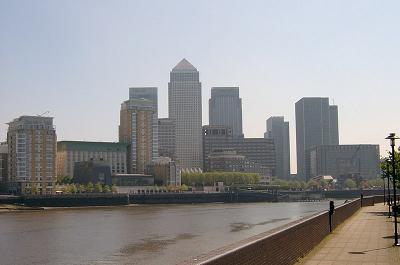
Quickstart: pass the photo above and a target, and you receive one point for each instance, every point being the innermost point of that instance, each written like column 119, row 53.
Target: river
column 139, row 234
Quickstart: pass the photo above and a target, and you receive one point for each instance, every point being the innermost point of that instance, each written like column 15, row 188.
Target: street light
column 392, row 137
column 388, row 183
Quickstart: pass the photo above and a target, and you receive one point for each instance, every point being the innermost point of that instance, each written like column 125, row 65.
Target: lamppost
column 388, row 184
column 392, row 137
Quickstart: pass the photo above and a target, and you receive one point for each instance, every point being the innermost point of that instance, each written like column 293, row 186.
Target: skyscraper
column 138, row 129
column 278, row 130
column 184, row 106
column 149, row 93
column 316, row 124
column 225, row 108
column 32, row 154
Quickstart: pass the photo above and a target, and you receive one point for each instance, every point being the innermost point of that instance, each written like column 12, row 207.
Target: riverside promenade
column 364, row 239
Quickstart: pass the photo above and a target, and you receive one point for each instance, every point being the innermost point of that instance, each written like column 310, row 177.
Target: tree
column 81, row 188
column 350, row 184
column 114, row 189
column 386, row 165
column 184, row 187
column 34, row 189
column 90, row 187
column 73, row 188
column 106, row 189
column 98, row 188
column 64, row 180
column 312, row 184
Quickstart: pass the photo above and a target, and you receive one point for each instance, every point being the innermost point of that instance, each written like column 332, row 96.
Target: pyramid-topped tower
column 184, row 107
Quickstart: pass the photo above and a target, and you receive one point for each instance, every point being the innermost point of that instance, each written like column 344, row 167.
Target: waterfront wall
column 74, row 200
column 285, row 245
column 185, row 198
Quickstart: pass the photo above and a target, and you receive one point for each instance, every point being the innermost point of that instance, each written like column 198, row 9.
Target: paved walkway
column 365, row 239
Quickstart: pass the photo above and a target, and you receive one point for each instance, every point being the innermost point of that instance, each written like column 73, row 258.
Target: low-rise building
column 165, row 172
column 133, row 183
column 95, row 171
column 70, row 152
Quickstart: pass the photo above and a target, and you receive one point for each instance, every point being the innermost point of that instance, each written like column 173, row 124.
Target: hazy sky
column 77, row 60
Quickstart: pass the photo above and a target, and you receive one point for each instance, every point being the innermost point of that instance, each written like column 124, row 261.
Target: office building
column 359, row 162
column 71, row 152
column 278, row 130
column 227, row 160
column 257, row 150
column 139, row 129
column 225, row 108
column 316, row 124
column 32, row 155
column 184, row 106
column 166, row 138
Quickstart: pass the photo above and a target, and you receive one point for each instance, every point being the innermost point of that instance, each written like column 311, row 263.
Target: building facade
column 184, row 107
column 149, row 93
column 166, row 138
column 227, row 160
column 278, row 130
column 316, row 124
column 225, row 108
column 257, row 150
column 32, row 155
column 345, row 161
column 165, row 172
column 3, row 166
column 139, row 129
column 71, row 152
column 95, row 171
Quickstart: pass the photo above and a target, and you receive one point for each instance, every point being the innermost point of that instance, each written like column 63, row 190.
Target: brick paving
column 365, row 239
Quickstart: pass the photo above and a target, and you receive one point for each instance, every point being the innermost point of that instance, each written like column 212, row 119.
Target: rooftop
column 184, row 65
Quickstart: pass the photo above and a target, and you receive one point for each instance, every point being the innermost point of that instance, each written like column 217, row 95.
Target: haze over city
column 78, row 59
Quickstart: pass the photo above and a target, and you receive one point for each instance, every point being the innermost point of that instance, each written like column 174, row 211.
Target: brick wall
column 283, row 246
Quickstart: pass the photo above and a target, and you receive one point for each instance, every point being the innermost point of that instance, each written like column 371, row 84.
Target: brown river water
column 143, row 234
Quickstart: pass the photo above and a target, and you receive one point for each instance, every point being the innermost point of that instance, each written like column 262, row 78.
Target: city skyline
column 66, row 65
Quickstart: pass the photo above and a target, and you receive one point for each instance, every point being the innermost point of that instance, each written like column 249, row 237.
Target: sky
column 77, row 60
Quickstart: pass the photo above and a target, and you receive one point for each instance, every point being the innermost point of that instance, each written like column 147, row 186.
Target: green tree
column 34, row 189
column 106, row 189
column 184, row 187
column 114, row 189
column 386, row 166
column 98, row 188
column 313, row 185
column 90, row 187
column 64, row 180
column 73, row 188
column 350, row 184
column 81, row 188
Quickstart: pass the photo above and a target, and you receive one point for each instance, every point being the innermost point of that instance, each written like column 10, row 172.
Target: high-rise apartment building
column 149, row 93
column 256, row 150
column 225, row 108
column 278, row 130
column 139, row 129
column 32, row 154
column 71, row 152
column 184, row 106
column 316, row 124
column 166, row 138
column 3, row 166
